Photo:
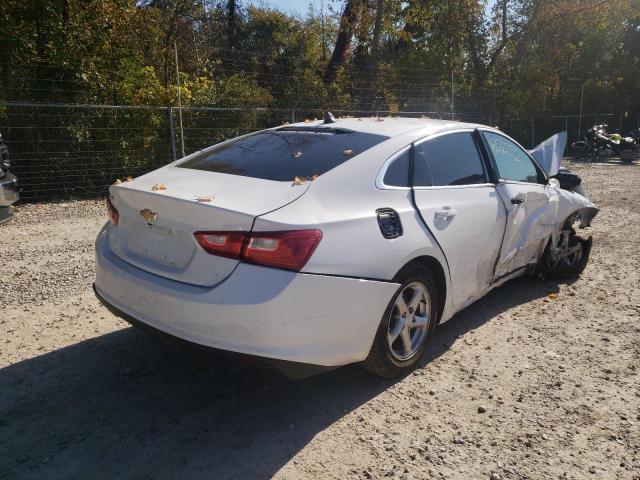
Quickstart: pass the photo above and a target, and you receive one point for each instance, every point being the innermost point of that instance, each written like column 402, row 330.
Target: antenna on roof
column 329, row 118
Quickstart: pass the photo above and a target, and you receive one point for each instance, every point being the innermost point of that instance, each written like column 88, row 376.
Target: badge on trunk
column 149, row 216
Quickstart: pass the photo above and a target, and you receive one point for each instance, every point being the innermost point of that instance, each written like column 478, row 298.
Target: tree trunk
column 340, row 53
column 374, row 60
column 232, row 22
column 376, row 31
column 482, row 70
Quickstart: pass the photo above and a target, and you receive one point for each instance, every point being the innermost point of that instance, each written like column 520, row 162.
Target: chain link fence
column 68, row 150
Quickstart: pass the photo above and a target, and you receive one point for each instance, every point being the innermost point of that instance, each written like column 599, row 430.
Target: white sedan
column 337, row 241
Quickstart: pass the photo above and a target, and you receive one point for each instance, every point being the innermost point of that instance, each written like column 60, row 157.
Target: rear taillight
column 289, row 250
column 223, row 244
column 114, row 216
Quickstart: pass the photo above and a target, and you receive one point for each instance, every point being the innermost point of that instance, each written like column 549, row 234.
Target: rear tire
column 401, row 340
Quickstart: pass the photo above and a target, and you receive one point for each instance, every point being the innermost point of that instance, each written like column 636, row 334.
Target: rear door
column 523, row 190
column 461, row 208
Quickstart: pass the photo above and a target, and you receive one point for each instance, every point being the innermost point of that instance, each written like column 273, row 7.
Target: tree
column 346, row 29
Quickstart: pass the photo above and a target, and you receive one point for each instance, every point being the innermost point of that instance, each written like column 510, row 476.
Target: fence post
column 172, row 133
column 533, row 141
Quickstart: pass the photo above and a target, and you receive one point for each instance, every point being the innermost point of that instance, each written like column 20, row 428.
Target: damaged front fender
column 574, row 206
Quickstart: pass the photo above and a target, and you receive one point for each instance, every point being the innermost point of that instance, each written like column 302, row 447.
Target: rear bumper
column 8, row 190
column 277, row 314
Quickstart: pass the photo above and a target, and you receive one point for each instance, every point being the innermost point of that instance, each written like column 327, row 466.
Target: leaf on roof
column 129, row 179
column 314, row 177
column 204, row 198
column 159, row 186
column 117, row 182
column 347, row 152
column 299, row 180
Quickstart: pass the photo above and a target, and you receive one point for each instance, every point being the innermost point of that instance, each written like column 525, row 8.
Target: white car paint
column 327, row 313
column 528, row 225
column 260, row 311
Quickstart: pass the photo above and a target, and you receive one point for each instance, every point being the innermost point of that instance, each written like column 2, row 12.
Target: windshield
column 285, row 153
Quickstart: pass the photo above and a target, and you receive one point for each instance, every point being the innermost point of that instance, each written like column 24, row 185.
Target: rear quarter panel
column 343, row 204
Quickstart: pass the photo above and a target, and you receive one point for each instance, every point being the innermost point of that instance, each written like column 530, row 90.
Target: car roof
column 387, row 126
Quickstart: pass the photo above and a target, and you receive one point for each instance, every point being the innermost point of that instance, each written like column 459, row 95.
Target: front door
column 524, row 193
column 461, row 208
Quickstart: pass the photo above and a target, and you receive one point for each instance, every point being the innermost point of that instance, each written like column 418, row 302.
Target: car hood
column 550, row 152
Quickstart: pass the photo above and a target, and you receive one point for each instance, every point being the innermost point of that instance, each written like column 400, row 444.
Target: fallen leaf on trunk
column 299, row 180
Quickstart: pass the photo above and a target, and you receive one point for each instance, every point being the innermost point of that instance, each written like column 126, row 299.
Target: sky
column 299, row 7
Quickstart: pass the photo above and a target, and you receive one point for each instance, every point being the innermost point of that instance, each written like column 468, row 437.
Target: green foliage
column 121, row 51
column 521, row 59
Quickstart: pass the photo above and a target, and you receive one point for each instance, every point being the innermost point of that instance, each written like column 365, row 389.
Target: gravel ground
column 537, row 380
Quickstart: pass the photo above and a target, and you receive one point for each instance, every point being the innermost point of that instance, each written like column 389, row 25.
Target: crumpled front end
column 574, row 204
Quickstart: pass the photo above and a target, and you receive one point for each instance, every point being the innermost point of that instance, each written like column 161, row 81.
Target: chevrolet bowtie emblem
column 148, row 216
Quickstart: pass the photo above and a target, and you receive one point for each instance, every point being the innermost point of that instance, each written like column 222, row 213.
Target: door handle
column 445, row 213
column 518, row 199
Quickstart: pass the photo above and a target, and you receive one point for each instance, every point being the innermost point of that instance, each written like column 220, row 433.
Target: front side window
column 512, row 162
column 285, row 153
column 448, row 160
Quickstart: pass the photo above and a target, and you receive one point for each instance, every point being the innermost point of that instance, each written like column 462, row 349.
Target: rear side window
column 285, row 153
column 512, row 162
column 451, row 159
column 397, row 174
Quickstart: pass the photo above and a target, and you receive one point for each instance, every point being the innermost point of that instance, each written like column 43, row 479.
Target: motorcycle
column 597, row 142
column 628, row 146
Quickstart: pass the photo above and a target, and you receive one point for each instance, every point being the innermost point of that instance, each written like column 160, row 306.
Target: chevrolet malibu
column 335, row 241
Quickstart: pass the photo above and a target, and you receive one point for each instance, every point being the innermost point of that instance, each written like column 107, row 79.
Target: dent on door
column 530, row 219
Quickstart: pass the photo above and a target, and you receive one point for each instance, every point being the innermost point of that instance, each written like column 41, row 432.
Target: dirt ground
column 82, row 395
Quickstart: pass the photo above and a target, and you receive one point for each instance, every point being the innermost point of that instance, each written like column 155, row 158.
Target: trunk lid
column 155, row 228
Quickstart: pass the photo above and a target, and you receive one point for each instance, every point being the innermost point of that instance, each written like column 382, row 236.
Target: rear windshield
column 285, row 153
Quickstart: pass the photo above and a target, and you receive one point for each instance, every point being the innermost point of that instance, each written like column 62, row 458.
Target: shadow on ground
column 126, row 406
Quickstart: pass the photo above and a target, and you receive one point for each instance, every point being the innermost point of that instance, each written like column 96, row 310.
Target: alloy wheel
column 409, row 321
column 565, row 252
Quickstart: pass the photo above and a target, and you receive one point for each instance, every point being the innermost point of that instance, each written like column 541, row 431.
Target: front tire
column 406, row 326
column 568, row 257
